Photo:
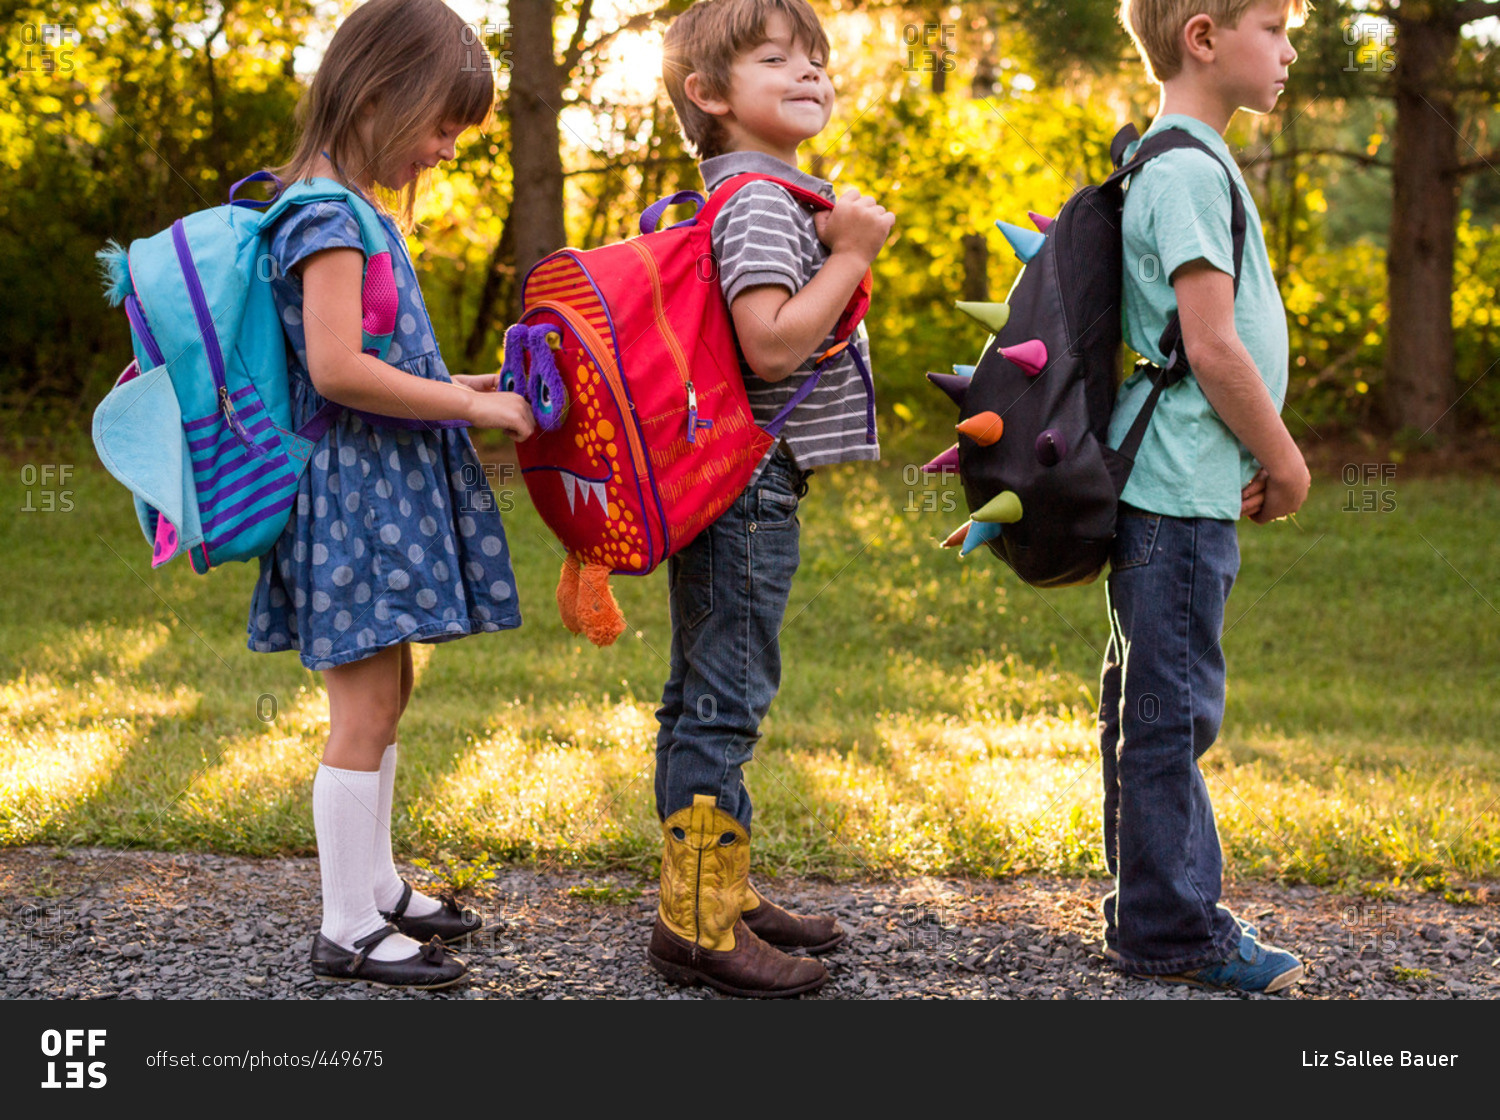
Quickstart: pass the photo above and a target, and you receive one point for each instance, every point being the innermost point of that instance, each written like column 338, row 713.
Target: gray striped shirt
column 763, row 236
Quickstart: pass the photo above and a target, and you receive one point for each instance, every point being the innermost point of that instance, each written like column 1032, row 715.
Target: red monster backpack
column 644, row 432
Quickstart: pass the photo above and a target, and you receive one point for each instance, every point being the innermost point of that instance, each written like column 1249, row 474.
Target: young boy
column 749, row 82
column 1176, row 552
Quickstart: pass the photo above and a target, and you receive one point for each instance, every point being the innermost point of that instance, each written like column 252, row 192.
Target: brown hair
column 707, row 38
column 1156, row 26
column 412, row 64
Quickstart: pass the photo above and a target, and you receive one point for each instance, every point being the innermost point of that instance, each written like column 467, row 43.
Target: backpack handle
column 651, row 218
column 257, row 177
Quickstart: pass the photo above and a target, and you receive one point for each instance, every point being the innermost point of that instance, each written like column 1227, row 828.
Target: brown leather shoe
column 700, row 937
column 785, row 930
column 752, row 968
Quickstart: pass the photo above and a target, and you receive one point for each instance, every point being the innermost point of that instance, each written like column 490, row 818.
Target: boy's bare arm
column 1227, row 375
column 778, row 331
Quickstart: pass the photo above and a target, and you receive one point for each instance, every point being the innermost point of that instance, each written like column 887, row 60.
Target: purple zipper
column 210, row 336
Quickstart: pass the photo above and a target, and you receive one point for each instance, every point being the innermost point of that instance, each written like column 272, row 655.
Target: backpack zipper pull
column 693, row 422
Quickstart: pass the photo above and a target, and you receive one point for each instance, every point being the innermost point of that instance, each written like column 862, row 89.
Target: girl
column 395, row 537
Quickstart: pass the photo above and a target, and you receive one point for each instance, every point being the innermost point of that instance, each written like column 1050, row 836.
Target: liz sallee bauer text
column 1369, row 1059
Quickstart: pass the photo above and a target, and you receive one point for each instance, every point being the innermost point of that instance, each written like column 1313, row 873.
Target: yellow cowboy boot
column 699, row 936
column 793, row 932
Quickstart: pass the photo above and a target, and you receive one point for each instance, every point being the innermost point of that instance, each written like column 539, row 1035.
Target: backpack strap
column 1170, row 343
column 859, row 303
column 849, row 320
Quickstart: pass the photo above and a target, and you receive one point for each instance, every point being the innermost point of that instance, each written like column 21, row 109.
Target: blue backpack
column 199, row 425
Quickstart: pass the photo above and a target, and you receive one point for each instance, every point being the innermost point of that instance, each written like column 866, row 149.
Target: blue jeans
column 729, row 591
column 1161, row 704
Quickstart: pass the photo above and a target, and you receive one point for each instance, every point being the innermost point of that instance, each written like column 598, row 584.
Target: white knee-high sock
column 344, row 807
column 382, row 860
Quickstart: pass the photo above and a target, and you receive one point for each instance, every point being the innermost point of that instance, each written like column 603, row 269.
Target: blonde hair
column 411, row 64
column 1156, row 26
column 707, row 38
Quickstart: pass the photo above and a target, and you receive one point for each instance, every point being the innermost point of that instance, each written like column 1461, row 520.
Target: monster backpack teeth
column 1041, row 221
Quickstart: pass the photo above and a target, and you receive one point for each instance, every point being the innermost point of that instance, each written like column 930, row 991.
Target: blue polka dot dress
column 395, row 535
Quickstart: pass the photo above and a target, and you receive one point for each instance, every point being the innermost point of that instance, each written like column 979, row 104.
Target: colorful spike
column 947, row 461
column 991, row 316
column 1026, row 242
column 1041, row 221
column 1051, row 448
column 963, row 371
column 979, row 533
column 956, row 538
column 956, row 387
column 984, row 428
column 1030, row 355
column 1004, row 507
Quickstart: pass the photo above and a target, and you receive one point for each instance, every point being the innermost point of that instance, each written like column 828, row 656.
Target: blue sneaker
column 1113, row 955
column 1255, row 968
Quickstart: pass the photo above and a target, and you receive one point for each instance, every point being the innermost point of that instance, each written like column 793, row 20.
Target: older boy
column 749, row 82
column 1216, row 450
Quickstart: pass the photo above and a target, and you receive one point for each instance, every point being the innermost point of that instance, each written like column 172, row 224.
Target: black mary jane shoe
column 431, row 967
column 449, row 924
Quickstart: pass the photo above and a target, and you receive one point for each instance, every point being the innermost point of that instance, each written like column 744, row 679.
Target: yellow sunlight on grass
column 59, row 745
column 559, row 779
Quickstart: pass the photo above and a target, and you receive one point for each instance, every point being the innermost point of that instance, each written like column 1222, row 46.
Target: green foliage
column 455, row 872
column 118, row 118
column 1337, row 319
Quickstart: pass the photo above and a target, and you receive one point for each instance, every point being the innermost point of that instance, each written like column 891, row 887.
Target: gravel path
column 95, row 923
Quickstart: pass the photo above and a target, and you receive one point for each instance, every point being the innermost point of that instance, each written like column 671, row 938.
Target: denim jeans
column 1161, row 705
column 729, row 591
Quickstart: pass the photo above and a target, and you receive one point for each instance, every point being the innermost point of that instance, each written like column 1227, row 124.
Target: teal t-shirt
column 1176, row 210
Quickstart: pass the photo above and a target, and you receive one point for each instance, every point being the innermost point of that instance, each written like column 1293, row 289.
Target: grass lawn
column 936, row 716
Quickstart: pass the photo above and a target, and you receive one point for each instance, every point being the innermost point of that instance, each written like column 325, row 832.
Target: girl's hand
column 507, row 411
column 480, row 383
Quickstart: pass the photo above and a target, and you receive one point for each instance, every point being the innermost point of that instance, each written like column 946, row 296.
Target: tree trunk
column 976, row 285
column 534, row 100
column 1420, row 388
column 496, row 294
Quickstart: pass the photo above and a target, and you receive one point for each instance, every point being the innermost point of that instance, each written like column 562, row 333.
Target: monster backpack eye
column 544, row 386
column 513, row 372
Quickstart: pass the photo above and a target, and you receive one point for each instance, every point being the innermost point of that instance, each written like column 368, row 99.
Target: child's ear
column 699, row 94
column 1198, row 38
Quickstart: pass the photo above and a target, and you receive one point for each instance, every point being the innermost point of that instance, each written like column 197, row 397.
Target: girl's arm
column 331, row 313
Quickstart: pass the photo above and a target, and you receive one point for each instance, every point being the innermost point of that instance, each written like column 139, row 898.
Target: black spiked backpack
column 1034, row 412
